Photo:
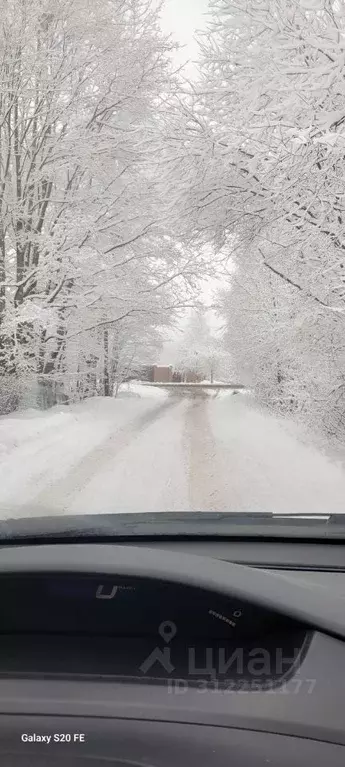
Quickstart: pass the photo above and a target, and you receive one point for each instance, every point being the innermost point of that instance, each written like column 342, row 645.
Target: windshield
column 172, row 256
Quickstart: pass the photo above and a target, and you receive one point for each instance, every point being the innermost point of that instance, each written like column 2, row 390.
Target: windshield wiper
column 105, row 528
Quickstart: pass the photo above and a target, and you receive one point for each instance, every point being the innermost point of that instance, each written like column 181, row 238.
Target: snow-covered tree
column 200, row 352
column 87, row 239
column 266, row 349
column 268, row 120
column 263, row 139
column 102, row 360
column 284, row 348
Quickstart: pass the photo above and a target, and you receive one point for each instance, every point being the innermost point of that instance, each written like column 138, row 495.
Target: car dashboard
column 103, row 660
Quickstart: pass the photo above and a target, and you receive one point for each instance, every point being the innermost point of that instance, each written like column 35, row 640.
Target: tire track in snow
column 206, row 491
column 59, row 493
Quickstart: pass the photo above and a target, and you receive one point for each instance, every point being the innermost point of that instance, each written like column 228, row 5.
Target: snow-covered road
column 162, row 453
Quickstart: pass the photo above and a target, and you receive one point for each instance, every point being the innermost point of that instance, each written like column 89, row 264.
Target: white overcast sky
column 182, row 18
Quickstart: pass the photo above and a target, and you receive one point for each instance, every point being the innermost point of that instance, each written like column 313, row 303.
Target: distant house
column 166, row 374
column 156, row 373
column 162, row 373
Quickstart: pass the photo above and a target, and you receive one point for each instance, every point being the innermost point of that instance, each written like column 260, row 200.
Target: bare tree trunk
column 2, row 299
column 117, row 387
column 106, row 377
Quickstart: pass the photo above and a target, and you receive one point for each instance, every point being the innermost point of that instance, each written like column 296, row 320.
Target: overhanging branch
column 289, row 281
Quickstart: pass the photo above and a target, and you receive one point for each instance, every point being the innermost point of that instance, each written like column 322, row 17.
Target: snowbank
column 38, row 448
column 142, row 390
column 268, row 463
column 21, row 427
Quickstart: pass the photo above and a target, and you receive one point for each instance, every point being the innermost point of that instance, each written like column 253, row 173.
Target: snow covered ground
column 149, row 451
